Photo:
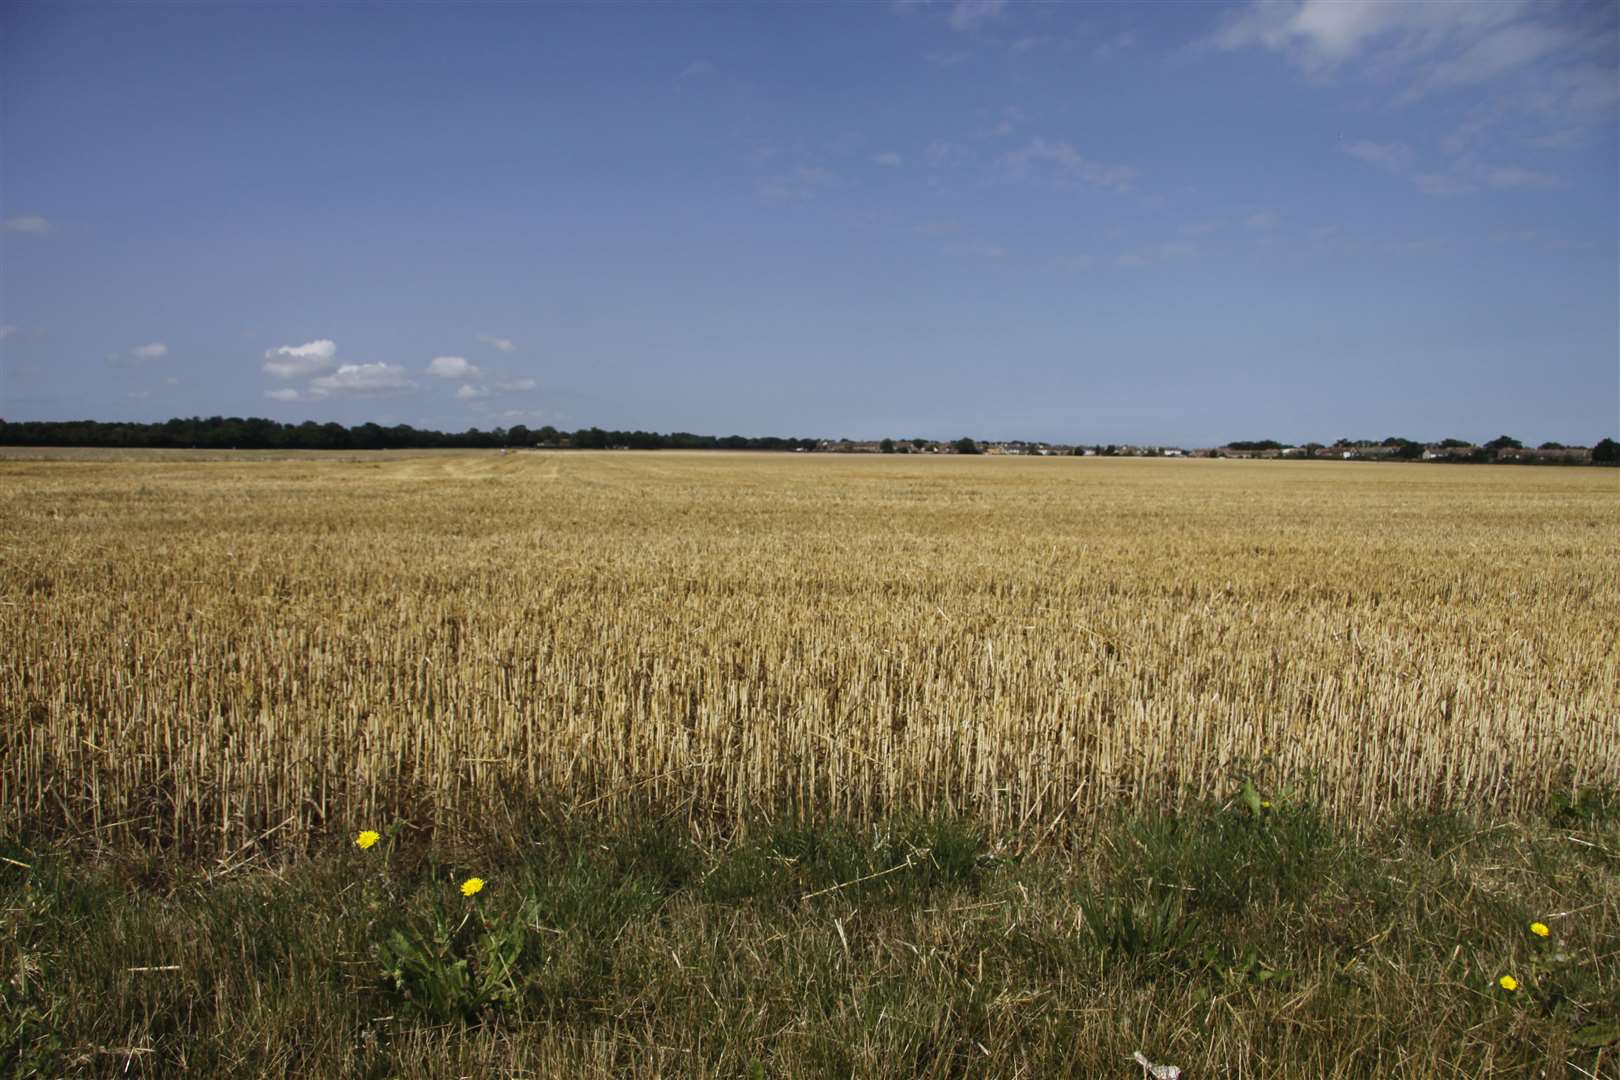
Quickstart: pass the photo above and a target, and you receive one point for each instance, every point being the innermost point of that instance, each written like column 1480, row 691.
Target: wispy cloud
column 970, row 14
column 939, row 227
column 1511, row 176
column 1394, row 157
column 1567, row 139
column 469, row 392
column 285, row 393
column 154, row 351
column 25, row 223
column 1321, row 35
column 1153, row 254
column 1265, row 220
column 362, row 380
column 801, row 185
column 6, row 330
column 697, row 68
column 1469, row 174
column 1420, row 49
column 888, row 159
column 1442, row 184
column 515, row 385
column 1061, row 163
column 500, row 343
column 1116, row 44
column 452, row 367
column 296, row 361
column 943, row 152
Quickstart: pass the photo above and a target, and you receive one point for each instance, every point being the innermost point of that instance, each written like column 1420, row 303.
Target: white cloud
column 888, row 158
column 154, row 351
column 284, row 394
column 515, row 385
column 1263, row 219
column 1061, row 161
column 25, row 223
column 138, row 395
column 453, row 367
column 469, row 392
column 1430, row 46
column 362, row 380
column 294, row 361
column 1320, row 35
column 968, row 14
column 697, row 68
column 500, row 343
column 939, row 227
column 1393, row 157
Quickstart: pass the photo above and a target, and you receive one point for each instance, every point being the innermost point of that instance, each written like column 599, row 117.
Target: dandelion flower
column 1508, row 982
column 472, row 886
column 366, row 839
column 1265, row 804
column 1539, row 929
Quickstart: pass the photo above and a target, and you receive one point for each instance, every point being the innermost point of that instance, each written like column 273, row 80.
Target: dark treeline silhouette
column 255, row 433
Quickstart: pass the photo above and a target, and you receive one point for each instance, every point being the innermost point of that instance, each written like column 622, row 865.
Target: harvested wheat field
column 207, row 649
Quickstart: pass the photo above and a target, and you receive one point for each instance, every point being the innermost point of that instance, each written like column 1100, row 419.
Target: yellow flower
column 472, row 886
column 1265, row 804
column 366, row 839
column 1539, row 929
column 1508, row 982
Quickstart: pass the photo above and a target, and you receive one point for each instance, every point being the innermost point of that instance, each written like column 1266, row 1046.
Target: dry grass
column 204, row 651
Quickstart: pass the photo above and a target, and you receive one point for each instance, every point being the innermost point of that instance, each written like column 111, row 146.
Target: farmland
column 203, row 652
column 575, row 764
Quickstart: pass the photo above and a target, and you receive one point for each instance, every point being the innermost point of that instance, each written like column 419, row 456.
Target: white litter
column 1157, row 1072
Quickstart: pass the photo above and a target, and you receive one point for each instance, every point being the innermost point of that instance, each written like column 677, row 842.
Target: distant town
column 257, row 433
column 1503, row 450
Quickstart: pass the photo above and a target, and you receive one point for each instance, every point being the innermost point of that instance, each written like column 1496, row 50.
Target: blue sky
column 1177, row 223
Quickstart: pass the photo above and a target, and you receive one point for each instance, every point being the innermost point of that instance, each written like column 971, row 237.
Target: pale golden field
column 207, row 648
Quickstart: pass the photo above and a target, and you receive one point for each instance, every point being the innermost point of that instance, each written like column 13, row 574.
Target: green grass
column 1224, row 940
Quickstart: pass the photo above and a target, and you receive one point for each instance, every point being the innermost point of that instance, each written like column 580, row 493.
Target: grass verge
column 1233, row 940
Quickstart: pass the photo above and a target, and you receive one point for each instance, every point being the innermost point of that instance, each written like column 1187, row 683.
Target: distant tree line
column 255, row 433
